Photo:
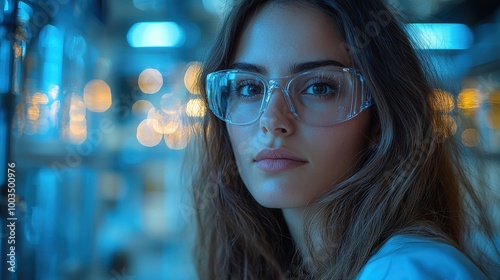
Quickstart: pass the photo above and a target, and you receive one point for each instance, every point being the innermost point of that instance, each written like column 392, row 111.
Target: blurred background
column 94, row 101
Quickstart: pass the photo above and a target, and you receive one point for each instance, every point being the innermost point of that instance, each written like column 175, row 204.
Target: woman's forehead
column 280, row 35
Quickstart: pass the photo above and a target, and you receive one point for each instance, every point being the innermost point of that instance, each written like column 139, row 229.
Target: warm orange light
column 33, row 113
column 468, row 100
column 147, row 136
column 76, row 138
column 470, row 137
column 77, row 110
column 196, row 108
column 177, row 140
column 161, row 122
column 150, row 80
column 39, row 98
column 166, row 125
column 97, row 96
column 443, row 101
column 78, row 127
column 493, row 120
column 142, row 107
column 445, row 126
column 191, row 77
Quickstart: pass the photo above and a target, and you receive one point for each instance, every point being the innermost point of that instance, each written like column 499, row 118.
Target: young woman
column 324, row 157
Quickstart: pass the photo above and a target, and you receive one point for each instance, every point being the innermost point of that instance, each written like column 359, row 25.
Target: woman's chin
column 279, row 200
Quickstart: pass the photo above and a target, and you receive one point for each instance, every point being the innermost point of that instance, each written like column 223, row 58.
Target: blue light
column 441, row 36
column 155, row 34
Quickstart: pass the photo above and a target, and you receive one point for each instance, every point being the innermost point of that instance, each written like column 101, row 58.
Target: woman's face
column 285, row 163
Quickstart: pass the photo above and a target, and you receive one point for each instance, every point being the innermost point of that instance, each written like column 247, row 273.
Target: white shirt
column 412, row 258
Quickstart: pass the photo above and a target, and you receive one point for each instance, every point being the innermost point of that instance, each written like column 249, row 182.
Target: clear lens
column 320, row 97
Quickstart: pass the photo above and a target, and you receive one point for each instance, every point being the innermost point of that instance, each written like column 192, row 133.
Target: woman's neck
column 295, row 222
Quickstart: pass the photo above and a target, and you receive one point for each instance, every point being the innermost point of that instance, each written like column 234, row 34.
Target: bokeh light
column 33, row 113
column 442, row 101
column 77, row 127
column 156, row 34
column 191, row 77
column 97, row 96
column 166, row 125
column 142, row 107
column 147, row 136
column 77, row 109
column 75, row 46
column 170, row 104
column 177, row 140
column 150, row 81
column 445, row 126
column 39, row 98
column 75, row 130
column 53, row 91
column 77, row 138
column 196, row 108
column 161, row 122
column 468, row 100
column 470, row 137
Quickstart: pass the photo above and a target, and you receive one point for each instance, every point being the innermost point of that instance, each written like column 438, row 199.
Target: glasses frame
column 270, row 84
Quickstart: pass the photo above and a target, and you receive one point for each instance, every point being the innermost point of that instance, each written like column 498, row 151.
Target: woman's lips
column 278, row 165
column 277, row 160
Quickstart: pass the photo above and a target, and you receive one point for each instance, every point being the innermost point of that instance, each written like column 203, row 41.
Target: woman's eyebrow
column 295, row 68
column 300, row 67
column 248, row 67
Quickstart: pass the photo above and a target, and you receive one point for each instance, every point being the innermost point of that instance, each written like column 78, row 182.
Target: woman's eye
column 319, row 89
column 250, row 90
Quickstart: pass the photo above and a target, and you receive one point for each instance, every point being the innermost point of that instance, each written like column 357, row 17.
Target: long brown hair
column 411, row 183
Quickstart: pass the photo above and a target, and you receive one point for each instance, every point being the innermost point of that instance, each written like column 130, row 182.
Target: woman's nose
column 277, row 117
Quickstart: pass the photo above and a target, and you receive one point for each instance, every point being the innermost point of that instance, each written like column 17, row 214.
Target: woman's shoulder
column 410, row 257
